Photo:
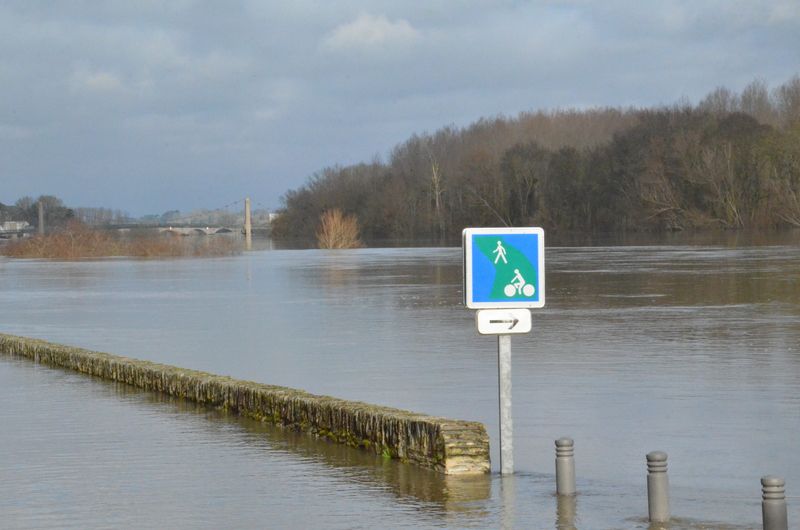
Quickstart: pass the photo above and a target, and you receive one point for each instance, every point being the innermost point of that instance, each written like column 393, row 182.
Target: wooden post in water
column 248, row 226
column 41, row 217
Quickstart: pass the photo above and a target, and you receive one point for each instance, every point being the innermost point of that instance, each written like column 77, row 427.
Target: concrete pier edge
column 448, row 446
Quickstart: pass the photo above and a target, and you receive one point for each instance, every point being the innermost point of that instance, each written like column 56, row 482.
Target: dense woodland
column 732, row 161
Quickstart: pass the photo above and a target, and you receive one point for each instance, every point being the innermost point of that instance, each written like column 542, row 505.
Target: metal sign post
column 503, row 279
column 506, row 422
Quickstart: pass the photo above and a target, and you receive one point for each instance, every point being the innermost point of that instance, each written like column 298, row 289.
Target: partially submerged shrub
column 337, row 230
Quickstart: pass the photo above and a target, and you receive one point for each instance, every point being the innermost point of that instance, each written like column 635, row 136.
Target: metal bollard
column 773, row 503
column 565, row 466
column 657, row 487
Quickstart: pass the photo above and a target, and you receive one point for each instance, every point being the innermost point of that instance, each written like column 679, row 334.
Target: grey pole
column 506, row 424
column 657, row 487
column 248, row 226
column 41, row 217
column 565, row 466
column 773, row 503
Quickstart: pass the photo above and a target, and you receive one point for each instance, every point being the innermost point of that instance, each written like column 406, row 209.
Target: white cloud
column 785, row 12
column 276, row 98
column 166, row 54
column 370, row 31
column 95, row 81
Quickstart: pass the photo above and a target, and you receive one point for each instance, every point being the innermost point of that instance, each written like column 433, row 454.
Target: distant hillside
column 732, row 161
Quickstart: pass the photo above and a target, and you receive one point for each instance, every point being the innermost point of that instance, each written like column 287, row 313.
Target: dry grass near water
column 80, row 242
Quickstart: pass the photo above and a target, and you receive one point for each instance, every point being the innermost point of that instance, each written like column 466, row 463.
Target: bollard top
column 565, row 448
column 657, row 456
column 773, row 489
column 657, row 462
column 772, row 481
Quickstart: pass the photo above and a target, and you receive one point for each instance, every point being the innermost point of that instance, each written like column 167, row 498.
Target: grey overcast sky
column 145, row 105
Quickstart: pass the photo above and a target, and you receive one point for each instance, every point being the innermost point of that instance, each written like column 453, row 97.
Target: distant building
column 14, row 226
column 12, row 229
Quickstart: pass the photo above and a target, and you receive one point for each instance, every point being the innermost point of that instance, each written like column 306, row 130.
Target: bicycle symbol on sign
column 518, row 286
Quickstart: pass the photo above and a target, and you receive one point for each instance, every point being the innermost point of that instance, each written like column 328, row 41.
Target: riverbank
column 80, row 242
column 449, row 446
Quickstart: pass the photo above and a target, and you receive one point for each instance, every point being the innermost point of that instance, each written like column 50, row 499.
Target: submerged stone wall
column 448, row 446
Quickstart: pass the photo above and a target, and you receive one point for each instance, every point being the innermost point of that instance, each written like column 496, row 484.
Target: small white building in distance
column 14, row 226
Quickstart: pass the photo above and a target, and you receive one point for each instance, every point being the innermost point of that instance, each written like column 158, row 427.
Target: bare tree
column 788, row 98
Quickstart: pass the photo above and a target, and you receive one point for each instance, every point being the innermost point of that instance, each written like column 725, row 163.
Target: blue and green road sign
column 503, row 267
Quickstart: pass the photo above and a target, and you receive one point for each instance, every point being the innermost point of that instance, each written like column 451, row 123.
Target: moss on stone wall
column 448, row 446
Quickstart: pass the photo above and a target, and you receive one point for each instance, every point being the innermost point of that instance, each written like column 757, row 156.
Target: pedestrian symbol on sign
column 501, row 253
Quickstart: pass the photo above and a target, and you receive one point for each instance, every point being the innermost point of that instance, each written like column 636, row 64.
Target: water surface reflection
column 690, row 349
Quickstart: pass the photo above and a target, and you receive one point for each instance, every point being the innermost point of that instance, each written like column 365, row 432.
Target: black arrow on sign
column 513, row 322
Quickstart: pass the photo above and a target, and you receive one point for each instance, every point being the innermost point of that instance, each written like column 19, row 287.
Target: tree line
column 730, row 161
column 26, row 209
column 57, row 215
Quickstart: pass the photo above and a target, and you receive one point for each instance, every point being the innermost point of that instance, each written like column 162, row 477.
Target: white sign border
column 466, row 243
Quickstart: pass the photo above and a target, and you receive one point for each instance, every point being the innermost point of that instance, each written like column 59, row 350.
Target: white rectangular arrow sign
column 503, row 321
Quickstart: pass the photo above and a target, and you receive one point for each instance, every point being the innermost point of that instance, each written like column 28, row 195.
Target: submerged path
column 445, row 445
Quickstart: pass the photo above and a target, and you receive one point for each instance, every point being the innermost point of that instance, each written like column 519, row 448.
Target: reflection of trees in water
column 674, row 275
column 424, row 281
column 685, row 277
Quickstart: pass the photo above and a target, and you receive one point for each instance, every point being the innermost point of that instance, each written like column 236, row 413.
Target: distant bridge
column 188, row 229
column 190, row 226
column 197, row 230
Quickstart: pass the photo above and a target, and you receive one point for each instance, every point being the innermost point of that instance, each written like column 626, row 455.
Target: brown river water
column 687, row 346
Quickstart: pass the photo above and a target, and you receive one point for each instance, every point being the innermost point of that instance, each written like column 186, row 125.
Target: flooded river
column 691, row 348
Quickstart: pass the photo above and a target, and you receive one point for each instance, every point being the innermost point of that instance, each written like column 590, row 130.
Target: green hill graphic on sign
column 515, row 276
